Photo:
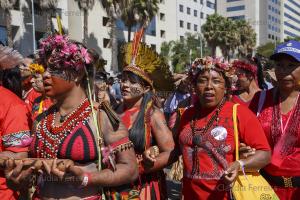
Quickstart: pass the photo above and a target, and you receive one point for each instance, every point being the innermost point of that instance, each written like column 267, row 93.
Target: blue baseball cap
column 291, row 48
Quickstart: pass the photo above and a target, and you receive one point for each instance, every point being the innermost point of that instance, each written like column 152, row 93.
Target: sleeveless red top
column 73, row 139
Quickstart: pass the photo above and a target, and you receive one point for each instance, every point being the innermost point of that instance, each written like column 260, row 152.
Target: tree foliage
column 232, row 36
column 181, row 53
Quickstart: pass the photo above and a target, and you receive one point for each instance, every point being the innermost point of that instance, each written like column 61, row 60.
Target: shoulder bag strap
column 236, row 132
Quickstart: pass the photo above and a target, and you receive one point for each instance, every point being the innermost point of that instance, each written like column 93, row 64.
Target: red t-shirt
column 14, row 132
column 216, row 149
column 237, row 99
column 290, row 164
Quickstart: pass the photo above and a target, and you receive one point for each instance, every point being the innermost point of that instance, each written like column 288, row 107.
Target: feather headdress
column 143, row 61
column 9, row 58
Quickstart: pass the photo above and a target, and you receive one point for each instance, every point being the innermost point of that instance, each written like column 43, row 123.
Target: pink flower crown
column 63, row 53
column 239, row 64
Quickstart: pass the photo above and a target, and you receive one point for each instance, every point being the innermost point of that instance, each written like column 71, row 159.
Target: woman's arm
column 163, row 137
column 252, row 163
column 126, row 165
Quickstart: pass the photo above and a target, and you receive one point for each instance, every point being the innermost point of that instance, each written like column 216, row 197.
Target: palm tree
column 48, row 6
column 114, row 11
column 231, row 37
column 7, row 6
column 247, row 38
column 213, row 31
column 85, row 5
column 138, row 12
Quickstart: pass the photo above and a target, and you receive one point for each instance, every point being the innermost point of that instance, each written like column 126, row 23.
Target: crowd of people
column 69, row 131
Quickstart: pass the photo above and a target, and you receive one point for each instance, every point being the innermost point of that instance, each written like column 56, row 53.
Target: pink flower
column 85, row 54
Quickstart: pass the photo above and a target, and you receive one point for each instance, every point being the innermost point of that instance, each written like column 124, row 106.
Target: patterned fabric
column 20, row 139
column 80, row 145
column 287, row 165
column 215, row 149
column 40, row 105
column 14, row 129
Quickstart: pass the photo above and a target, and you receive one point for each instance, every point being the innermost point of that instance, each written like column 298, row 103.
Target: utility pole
column 33, row 26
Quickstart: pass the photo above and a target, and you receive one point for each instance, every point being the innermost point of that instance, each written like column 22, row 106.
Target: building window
column 295, row 3
column 291, row 9
column 162, row 34
column 106, row 43
column 232, row 0
column 210, row 5
column 235, row 8
column 195, row 13
column 291, row 18
column 105, row 21
column 201, row 2
column 269, row 36
column 237, row 17
column 195, row 27
column 162, row 1
column 181, row 38
column 3, row 35
column 162, row 17
column 181, row 8
column 290, row 33
column 188, row 10
column 181, row 24
column 201, row 15
column 188, row 26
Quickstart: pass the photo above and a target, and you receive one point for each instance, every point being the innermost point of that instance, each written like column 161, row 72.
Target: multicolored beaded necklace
column 51, row 136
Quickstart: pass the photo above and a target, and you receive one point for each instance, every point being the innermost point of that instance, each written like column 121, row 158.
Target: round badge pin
column 219, row 133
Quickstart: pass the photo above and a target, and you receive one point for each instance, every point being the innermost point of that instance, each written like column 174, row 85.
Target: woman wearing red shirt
column 207, row 140
column 279, row 113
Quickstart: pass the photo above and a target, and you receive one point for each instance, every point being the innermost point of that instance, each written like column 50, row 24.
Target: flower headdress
column 209, row 63
column 36, row 68
column 143, row 61
column 63, row 53
column 9, row 58
column 239, row 64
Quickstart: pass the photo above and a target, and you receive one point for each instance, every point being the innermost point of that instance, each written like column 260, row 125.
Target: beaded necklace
column 51, row 136
column 201, row 131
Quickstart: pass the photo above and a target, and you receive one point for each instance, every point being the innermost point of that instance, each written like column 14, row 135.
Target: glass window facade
column 235, row 8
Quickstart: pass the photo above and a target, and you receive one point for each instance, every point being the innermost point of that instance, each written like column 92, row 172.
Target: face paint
column 37, row 82
column 135, row 91
column 66, row 75
column 131, row 90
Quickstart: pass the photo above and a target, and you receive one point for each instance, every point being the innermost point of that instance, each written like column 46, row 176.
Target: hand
column 103, row 96
column 231, row 173
column 246, row 151
column 72, row 174
column 17, row 175
column 149, row 156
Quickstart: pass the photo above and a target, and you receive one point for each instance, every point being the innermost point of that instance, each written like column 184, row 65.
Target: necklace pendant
column 197, row 139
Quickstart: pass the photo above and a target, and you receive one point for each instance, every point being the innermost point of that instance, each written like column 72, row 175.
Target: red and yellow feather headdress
column 143, row 61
